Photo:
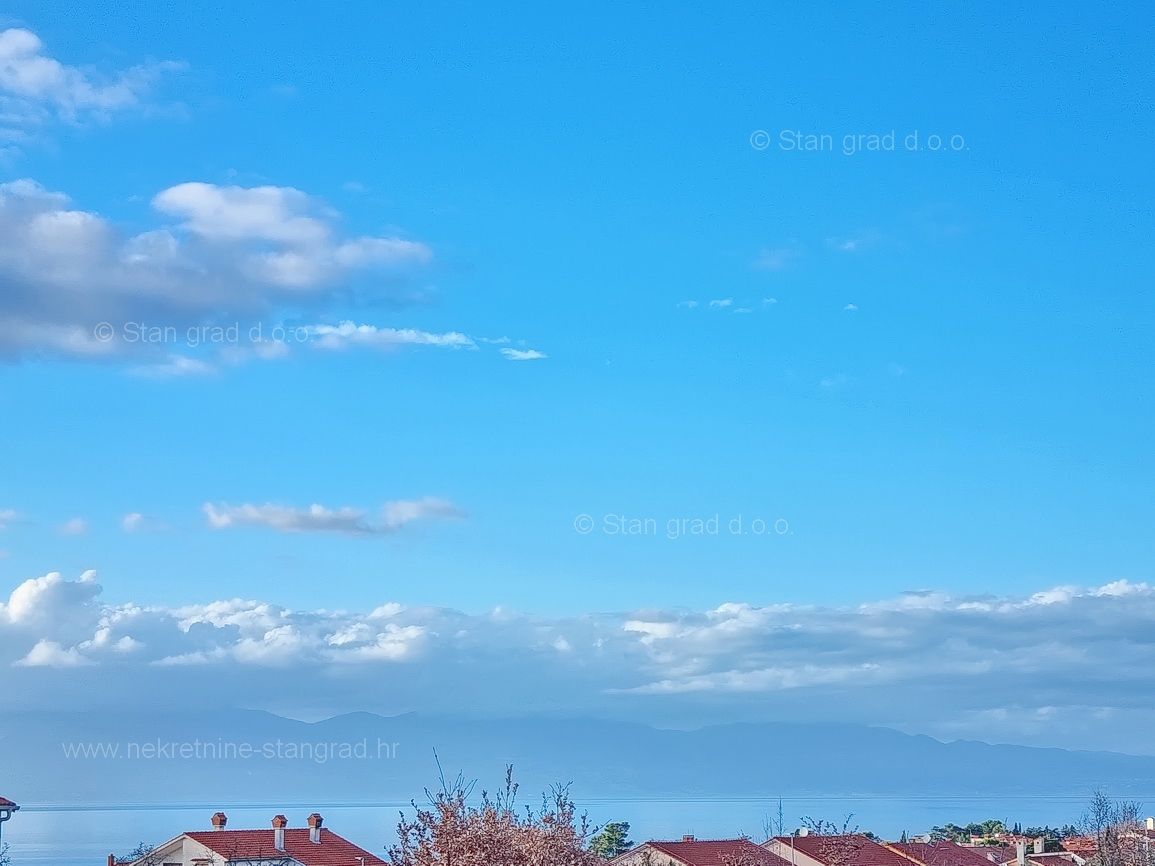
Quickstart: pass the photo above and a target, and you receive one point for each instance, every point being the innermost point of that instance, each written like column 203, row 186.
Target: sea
column 85, row 836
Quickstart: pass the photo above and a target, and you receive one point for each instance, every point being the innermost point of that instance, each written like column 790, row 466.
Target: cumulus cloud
column 316, row 518
column 722, row 303
column 35, row 87
column 930, row 659
column 850, row 308
column 523, row 354
column 71, row 282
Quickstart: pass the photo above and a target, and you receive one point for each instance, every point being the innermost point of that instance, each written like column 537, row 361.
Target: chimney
column 1040, row 845
column 111, row 860
column 219, row 820
column 315, row 822
column 279, row 822
column 687, row 838
column 1151, row 824
column 1021, row 852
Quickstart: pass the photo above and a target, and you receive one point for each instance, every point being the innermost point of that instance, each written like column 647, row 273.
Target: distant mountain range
column 152, row 758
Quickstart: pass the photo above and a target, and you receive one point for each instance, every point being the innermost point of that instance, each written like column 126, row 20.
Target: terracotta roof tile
column 851, row 849
column 942, row 853
column 719, row 852
column 332, row 850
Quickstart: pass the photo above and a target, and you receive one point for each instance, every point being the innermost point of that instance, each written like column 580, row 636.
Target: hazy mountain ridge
column 599, row 758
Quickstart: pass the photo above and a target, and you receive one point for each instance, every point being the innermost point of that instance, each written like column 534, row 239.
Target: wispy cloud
column 35, row 87
column 348, row 334
column 394, row 516
column 523, row 354
column 850, row 308
column 777, row 258
column 75, row 526
column 174, row 366
column 7, row 515
column 856, row 242
column 722, row 303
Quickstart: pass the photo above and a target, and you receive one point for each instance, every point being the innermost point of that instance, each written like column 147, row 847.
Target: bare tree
column 260, row 857
column 774, row 825
column 1120, row 837
column 142, row 855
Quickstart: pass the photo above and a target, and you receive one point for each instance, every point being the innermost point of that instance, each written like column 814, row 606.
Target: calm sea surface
column 68, row 836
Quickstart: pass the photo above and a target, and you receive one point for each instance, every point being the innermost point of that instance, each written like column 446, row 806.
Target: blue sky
column 933, row 367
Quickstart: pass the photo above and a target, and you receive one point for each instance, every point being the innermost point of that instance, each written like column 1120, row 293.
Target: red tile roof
column 851, row 849
column 332, row 850
column 5, row 803
column 1084, row 846
column 719, row 852
column 942, row 853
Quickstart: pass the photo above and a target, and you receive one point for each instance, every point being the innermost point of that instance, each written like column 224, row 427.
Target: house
column 944, row 853
column 1038, row 855
column 699, row 852
column 850, row 849
column 7, row 807
column 278, row 846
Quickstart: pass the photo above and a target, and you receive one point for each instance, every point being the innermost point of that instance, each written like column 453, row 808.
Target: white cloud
column 75, row 526
column 304, row 254
column 523, row 354
column 316, row 518
column 49, row 654
column 687, row 305
column 132, row 522
column 855, row 243
column 65, row 271
column 927, row 658
column 721, row 303
column 348, row 334
column 850, row 308
column 35, row 87
column 397, row 514
column 175, row 366
column 7, row 515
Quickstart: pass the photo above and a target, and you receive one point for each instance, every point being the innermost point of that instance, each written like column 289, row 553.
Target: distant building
column 279, row 846
column 699, row 852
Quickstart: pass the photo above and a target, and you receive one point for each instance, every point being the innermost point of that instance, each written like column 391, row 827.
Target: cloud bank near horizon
column 1065, row 662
